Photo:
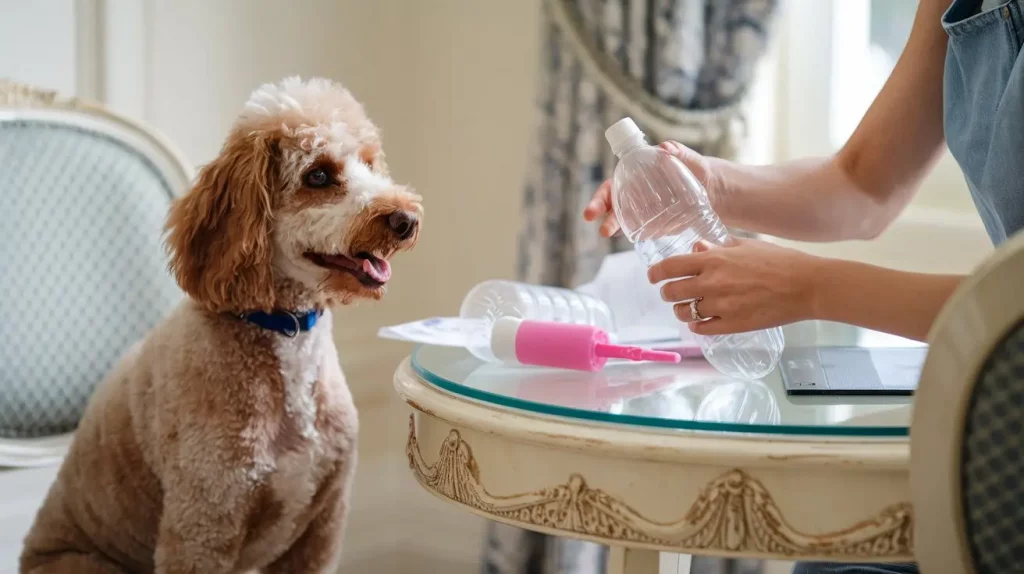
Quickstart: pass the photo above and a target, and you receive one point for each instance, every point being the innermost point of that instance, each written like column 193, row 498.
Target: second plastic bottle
column 664, row 210
column 495, row 299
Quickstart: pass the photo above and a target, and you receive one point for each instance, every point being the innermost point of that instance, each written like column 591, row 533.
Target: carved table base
column 560, row 478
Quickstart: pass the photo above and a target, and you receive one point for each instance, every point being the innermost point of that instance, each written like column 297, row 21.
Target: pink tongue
column 341, row 261
column 380, row 272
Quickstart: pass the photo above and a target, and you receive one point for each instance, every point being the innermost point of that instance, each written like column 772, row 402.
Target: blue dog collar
column 285, row 322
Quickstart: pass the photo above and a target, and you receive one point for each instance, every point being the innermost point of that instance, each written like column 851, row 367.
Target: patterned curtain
column 680, row 69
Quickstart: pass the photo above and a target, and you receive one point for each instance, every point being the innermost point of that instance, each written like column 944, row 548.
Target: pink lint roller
column 563, row 345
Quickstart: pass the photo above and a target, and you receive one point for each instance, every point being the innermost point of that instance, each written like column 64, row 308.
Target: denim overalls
column 983, row 97
column 983, row 101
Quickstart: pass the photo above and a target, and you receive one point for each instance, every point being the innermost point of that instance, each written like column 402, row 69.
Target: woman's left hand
column 747, row 286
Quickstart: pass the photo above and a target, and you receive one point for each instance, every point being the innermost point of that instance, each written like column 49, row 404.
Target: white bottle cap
column 503, row 339
column 621, row 133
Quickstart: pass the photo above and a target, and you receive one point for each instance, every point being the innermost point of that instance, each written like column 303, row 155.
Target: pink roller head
column 577, row 347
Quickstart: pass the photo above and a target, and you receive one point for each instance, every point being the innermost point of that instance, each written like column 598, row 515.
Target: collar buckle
column 292, row 333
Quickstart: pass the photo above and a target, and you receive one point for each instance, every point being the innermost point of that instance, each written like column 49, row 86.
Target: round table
column 671, row 458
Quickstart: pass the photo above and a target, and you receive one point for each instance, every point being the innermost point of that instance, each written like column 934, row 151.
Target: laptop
column 850, row 370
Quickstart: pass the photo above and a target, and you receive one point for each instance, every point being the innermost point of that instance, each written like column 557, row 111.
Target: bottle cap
column 563, row 345
column 621, row 133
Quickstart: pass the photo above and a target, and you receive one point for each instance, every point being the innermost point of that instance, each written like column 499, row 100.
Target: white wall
column 48, row 60
column 203, row 59
column 451, row 84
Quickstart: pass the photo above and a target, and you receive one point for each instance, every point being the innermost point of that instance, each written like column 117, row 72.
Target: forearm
column 897, row 302
column 806, row 200
column 856, row 193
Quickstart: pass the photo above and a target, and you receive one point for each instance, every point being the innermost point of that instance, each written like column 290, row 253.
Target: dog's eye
column 317, row 178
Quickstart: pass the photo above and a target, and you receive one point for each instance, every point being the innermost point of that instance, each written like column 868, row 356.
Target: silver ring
column 694, row 313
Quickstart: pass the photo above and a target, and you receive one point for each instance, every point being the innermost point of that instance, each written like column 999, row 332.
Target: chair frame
column 22, row 101
column 982, row 311
column 25, row 102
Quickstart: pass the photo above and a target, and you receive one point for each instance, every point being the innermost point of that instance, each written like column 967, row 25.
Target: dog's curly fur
column 215, row 446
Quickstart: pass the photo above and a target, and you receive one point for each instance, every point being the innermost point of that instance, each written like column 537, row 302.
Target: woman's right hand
column 600, row 205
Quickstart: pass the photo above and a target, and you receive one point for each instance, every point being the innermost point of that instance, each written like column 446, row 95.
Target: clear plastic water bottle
column 494, row 299
column 664, row 210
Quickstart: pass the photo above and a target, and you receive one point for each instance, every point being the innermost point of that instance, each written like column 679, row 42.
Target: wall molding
column 88, row 49
column 113, row 53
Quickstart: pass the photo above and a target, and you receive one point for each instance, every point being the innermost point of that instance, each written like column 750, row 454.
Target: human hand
column 600, row 205
column 747, row 286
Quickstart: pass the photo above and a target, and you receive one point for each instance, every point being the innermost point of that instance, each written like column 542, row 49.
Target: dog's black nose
column 403, row 223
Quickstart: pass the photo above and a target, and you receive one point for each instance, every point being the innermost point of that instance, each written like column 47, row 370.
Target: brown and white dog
column 217, row 445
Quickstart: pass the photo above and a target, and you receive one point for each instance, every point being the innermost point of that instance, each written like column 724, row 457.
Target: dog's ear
column 219, row 233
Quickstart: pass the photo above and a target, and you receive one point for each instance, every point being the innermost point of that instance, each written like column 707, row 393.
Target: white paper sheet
column 641, row 317
column 640, row 314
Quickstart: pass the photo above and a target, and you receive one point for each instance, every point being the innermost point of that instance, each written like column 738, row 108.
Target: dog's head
column 298, row 205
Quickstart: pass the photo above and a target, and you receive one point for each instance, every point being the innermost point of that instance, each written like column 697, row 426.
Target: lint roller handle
column 562, row 345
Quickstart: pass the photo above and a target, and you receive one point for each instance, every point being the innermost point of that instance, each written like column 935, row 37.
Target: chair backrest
column 83, row 274
column 967, row 435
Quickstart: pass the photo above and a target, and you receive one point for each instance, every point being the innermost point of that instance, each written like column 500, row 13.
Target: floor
column 395, row 526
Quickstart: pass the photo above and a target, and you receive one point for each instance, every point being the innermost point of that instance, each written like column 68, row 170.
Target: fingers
column 708, row 310
column 610, row 226
column 685, row 154
column 679, row 266
column 701, row 246
column 724, row 326
column 681, row 291
column 672, row 147
column 684, row 312
column 694, row 161
column 600, row 203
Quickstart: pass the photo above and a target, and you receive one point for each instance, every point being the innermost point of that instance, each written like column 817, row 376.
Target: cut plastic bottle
column 664, row 210
column 494, row 299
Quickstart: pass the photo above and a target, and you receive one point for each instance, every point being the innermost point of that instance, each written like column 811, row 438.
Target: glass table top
column 691, row 395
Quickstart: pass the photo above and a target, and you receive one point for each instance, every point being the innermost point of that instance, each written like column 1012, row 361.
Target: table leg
column 674, row 563
column 633, row 561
